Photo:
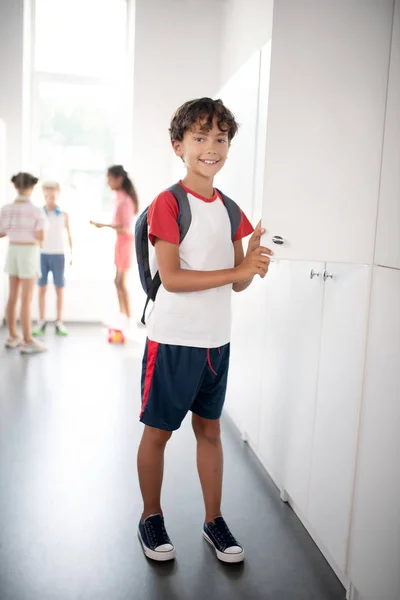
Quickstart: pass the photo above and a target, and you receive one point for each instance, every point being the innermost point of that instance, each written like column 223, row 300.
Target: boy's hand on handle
column 256, row 262
column 255, row 240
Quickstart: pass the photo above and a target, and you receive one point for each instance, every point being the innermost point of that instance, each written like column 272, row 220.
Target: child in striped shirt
column 24, row 224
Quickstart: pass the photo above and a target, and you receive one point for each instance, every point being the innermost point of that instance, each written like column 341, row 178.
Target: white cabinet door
column 374, row 560
column 262, row 122
column 387, row 251
column 329, row 70
column 240, row 95
column 246, row 365
column 292, row 337
column 271, row 445
column 341, row 370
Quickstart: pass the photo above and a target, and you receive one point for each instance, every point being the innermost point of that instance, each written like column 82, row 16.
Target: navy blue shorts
column 179, row 379
column 55, row 264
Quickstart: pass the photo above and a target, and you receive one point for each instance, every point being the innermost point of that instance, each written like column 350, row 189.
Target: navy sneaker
column 154, row 539
column 227, row 549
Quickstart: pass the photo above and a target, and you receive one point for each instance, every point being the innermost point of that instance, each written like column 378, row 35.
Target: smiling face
column 204, row 150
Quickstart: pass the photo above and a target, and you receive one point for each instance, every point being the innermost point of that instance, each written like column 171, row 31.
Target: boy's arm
column 67, row 227
column 2, row 235
column 254, row 243
column 175, row 279
column 239, row 286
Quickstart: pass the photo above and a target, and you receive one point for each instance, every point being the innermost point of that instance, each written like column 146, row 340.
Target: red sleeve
column 163, row 219
column 245, row 228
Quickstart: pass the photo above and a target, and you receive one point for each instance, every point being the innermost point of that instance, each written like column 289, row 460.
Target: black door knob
column 277, row 239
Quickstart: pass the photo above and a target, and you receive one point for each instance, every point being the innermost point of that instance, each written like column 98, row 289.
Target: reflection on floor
column 70, row 502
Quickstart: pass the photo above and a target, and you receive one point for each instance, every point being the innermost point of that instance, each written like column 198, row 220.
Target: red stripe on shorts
column 152, row 350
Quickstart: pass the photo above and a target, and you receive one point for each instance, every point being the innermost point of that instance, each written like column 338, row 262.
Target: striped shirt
column 20, row 220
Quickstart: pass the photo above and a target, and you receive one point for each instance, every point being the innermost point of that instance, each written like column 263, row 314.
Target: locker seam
column 359, row 424
column 384, row 133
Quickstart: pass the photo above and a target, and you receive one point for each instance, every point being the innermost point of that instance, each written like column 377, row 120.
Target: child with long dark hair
column 126, row 208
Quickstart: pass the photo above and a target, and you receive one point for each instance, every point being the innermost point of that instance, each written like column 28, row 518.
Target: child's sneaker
column 13, row 342
column 61, row 329
column 39, row 329
column 226, row 547
column 33, row 347
column 154, row 539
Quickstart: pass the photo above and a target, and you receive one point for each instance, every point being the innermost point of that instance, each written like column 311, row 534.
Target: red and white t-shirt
column 199, row 319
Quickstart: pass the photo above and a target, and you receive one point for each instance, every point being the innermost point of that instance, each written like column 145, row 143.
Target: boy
column 52, row 258
column 185, row 365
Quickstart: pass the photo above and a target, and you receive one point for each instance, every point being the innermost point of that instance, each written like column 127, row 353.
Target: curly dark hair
column 24, row 181
column 203, row 111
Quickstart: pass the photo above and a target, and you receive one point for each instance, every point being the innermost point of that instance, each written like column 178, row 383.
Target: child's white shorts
column 23, row 261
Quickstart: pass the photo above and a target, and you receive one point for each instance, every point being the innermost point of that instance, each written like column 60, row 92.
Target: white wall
column 11, row 78
column 247, row 28
column 177, row 58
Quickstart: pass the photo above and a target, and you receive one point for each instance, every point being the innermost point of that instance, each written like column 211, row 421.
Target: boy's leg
column 170, row 379
column 57, row 267
column 42, row 283
column 151, row 468
column 60, row 302
column 57, row 262
column 207, row 409
column 42, row 302
column 209, row 463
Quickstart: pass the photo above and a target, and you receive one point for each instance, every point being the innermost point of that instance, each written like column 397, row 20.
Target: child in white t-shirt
column 52, row 257
column 186, row 360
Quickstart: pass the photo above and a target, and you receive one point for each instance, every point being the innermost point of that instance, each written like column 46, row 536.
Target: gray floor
column 70, row 502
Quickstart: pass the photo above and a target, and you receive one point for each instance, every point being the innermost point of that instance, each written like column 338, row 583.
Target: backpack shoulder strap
column 234, row 213
column 185, row 214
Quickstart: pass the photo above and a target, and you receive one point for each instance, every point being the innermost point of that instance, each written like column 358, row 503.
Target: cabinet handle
column 314, row 274
column 328, row 275
column 277, row 239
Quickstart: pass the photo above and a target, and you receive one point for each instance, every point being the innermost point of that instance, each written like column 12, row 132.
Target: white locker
column 292, row 337
column 374, row 557
column 247, row 360
column 327, row 97
column 339, row 392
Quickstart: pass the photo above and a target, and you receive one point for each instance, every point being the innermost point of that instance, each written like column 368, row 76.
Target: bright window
column 80, row 115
